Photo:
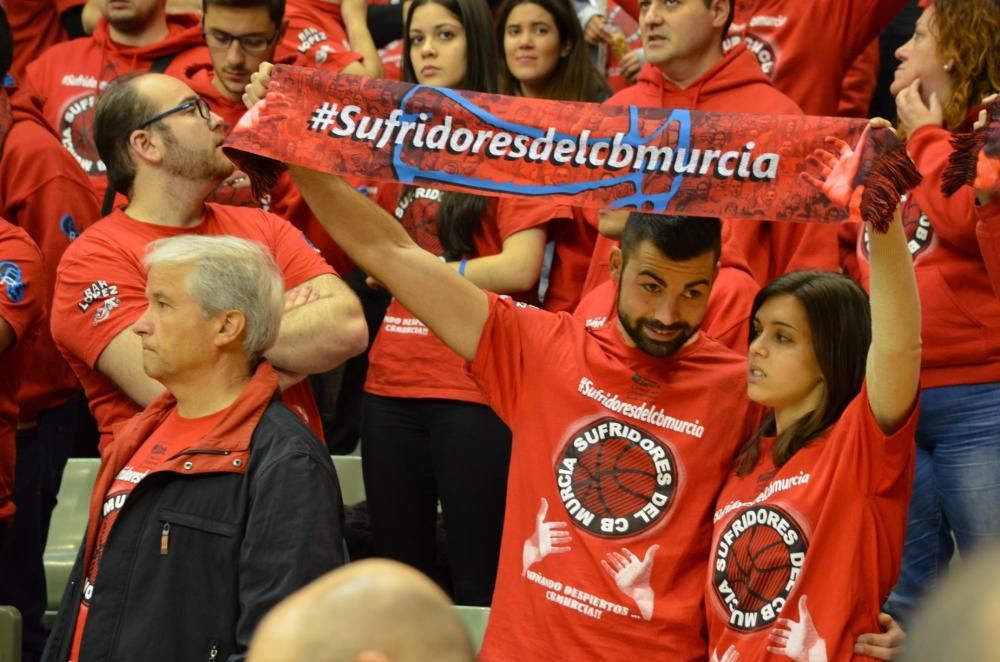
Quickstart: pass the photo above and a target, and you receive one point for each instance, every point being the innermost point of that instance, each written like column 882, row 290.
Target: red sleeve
column 630, row 7
column 954, row 218
column 804, row 246
column 45, row 192
column 517, row 214
column 99, row 294
column 859, row 83
column 988, row 233
column 297, row 259
column 513, row 342
column 22, row 280
column 866, row 20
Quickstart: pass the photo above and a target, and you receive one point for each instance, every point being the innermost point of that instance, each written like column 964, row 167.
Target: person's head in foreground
column 368, row 611
column 809, row 338
column 958, row 620
column 952, row 56
column 215, row 306
column 240, row 34
column 153, row 132
column 664, row 271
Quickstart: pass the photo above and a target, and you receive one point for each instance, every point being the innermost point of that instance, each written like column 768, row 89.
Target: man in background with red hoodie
column 63, row 83
column 44, row 193
column 686, row 68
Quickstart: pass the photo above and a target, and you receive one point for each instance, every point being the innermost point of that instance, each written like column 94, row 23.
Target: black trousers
column 418, row 451
column 42, row 452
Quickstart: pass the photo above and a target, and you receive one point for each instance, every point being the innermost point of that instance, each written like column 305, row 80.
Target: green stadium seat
column 69, row 522
column 352, row 484
column 475, row 620
column 10, row 634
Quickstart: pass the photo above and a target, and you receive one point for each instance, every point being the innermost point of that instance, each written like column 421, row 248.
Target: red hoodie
column 806, row 48
column 316, row 31
column 736, row 84
column 960, row 311
column 63, row 83
column 988, row 231
column 36, row 25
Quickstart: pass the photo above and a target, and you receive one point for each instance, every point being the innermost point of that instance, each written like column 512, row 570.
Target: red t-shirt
column 62, row 84
column 817, row 542
column 36, row 25
column 616, row 461
column 316, row 31
column 569, row 246
column 22, row 307
column 173, row 436
column 406, row 359
column 43, row 191
column 783, row 35
column 100, row 292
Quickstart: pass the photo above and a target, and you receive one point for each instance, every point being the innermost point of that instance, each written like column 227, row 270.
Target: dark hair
column 6, row 44
column 480, row 54
column 120, row 109
column 275, row 8
column 839, row 318
column 575, row 77
column 459, row 215
column 729, row 20
column 678, row 238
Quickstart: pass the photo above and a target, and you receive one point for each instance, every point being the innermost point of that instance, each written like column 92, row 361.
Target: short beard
column 657, row 348
column 191, row 165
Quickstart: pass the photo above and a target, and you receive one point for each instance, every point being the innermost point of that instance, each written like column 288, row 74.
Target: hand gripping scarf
column 670, row 161
column 975, row 160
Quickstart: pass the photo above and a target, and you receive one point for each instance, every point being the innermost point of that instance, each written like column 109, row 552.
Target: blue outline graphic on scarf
column 658, row 202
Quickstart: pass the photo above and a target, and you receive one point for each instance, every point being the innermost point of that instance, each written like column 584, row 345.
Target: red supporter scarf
column 975, row 159
column 787, row 168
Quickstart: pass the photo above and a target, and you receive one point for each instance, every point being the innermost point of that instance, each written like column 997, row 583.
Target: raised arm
column 452, row 307
column 893, row 369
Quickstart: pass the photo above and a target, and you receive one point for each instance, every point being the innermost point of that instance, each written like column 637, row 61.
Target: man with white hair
column 215, row 502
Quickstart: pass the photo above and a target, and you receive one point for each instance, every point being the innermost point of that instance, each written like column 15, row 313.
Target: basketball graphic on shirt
column 615, row 479
column 920, row 235
column 76, row 132
column 756, row 562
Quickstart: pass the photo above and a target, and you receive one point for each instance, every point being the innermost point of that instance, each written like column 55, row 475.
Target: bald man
column 370, row 611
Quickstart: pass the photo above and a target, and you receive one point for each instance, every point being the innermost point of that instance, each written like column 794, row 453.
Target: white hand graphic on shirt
column 632, row 576
column 798, row 640
column 731, row 655
column 548, row 538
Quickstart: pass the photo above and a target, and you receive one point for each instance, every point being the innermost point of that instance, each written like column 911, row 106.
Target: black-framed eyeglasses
column 200, row 104
column 250, row 43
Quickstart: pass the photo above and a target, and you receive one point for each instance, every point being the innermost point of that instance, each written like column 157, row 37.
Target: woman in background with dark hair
column 427, row 433
column 544, row 55
column 809, row 528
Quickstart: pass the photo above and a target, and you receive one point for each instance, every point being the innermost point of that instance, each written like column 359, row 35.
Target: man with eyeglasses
column 62, row 84
column 161, row 143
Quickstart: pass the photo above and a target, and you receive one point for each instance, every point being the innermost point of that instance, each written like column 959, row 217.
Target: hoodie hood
column 183, row 32
column 736, row 81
